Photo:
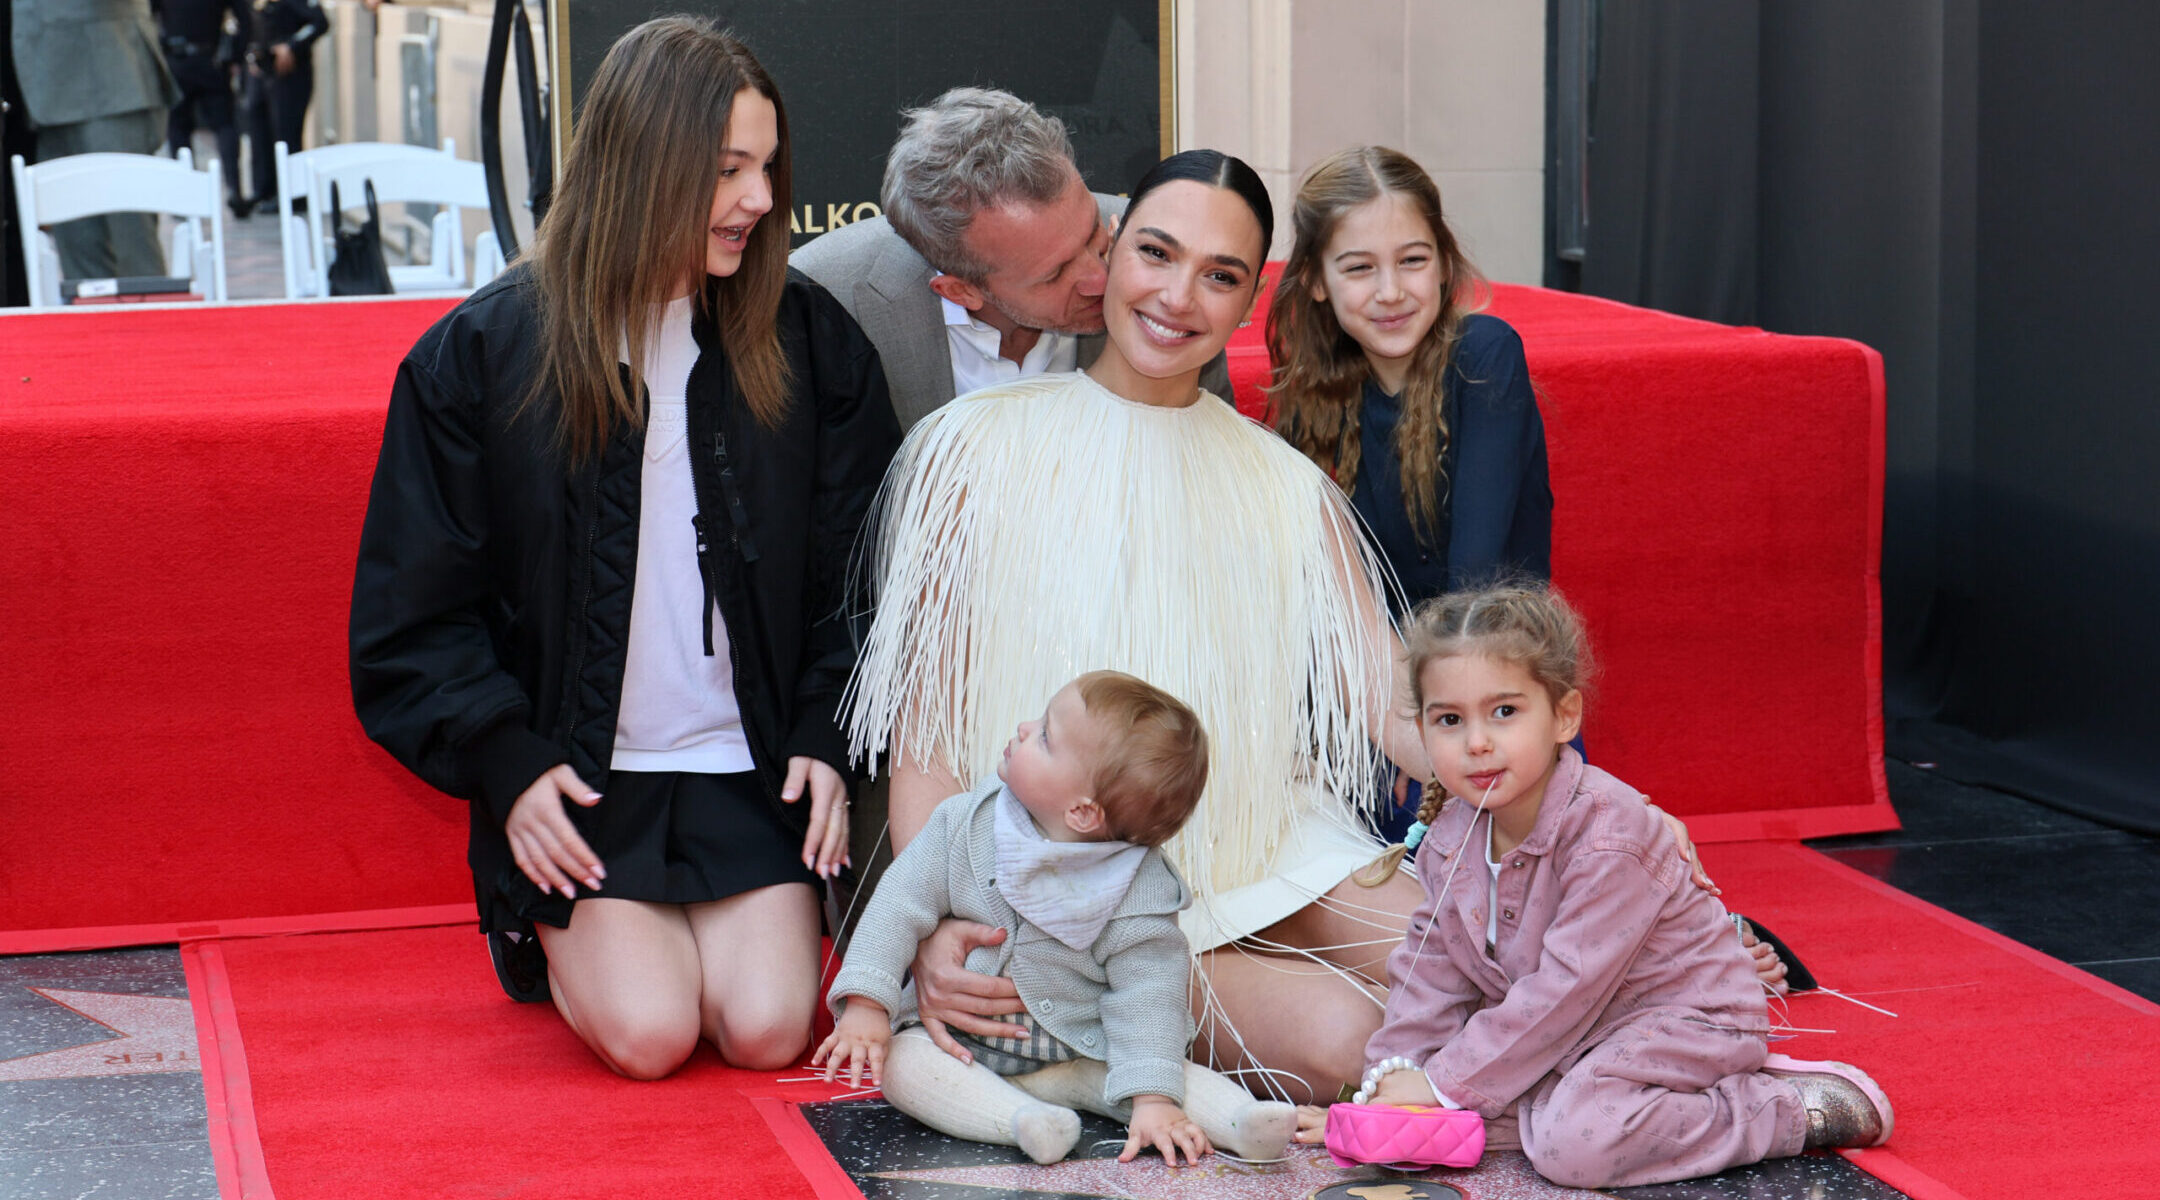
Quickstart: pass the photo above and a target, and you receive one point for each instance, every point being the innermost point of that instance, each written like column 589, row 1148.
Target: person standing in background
column 92, row 80
column 201, row 54
column 281, row 68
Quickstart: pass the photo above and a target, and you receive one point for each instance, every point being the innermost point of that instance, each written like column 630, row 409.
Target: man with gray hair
column 987, row 265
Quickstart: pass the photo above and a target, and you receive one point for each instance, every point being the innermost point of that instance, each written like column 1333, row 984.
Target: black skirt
column 670, row 837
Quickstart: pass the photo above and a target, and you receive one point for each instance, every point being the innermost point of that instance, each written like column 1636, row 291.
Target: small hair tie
column 1415, row 835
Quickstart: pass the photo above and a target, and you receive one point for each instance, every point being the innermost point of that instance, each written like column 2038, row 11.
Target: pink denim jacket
column 1599, row 926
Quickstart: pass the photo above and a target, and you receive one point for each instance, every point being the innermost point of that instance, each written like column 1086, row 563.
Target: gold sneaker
column 1844, row 1106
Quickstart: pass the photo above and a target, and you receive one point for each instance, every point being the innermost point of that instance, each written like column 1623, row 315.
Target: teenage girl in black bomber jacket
column 514, row 508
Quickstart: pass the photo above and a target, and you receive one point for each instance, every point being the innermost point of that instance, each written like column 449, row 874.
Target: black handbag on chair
column 358, row 268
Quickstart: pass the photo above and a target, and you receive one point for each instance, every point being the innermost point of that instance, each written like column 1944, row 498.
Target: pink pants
column 1663, row 1097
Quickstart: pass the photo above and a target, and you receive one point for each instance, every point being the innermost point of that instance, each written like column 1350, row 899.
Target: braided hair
column 1525, row 623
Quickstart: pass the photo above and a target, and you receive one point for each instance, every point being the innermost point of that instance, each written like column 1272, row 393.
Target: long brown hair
column 628, row 224
column 1320, row 370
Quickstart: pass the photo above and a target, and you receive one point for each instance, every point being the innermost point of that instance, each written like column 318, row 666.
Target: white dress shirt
column 976, row 362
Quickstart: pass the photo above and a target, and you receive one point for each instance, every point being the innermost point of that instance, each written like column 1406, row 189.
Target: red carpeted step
column 1717, row 518
column 185, row 491
column 185, row 496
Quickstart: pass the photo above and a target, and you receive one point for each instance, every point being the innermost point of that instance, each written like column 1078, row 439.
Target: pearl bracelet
column 1378, row 1071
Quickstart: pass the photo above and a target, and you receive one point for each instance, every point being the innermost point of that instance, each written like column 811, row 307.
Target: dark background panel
column 846, row 68
column 1671, row 170
column 1970, row 187
column 2061, row 641
column 1866, row 198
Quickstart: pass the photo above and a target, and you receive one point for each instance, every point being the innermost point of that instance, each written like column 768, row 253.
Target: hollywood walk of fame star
column 1504, row 1175
column 152, row 1035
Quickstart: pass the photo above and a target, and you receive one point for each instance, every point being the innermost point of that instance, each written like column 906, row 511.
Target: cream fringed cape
column 1035, row 531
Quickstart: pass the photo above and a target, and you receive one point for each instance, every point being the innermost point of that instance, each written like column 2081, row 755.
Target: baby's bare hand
column 1159, row 1122
column 856, row 1045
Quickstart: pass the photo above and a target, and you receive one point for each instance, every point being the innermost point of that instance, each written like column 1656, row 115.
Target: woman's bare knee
column 1299, row 1027
column 1329, row 1057
column 760, row 1028
column 624, row 976
column 1338, row 1051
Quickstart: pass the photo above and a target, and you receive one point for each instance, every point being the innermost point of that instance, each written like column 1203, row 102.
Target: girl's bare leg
column 758, row 955
column 625, row 977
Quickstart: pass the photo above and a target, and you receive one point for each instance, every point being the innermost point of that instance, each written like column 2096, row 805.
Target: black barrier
column 847, row 67
column 1969, row 189
column 511, row 27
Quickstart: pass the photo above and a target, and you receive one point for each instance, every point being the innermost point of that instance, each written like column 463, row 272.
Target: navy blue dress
column 1495, row 503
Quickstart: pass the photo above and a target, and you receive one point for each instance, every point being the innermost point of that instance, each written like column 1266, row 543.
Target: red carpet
column 2012, row 1074
column 389, row 1064
column 186, row 489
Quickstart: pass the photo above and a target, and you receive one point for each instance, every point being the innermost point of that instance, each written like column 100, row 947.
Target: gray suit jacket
column 78, row 60
column 885, row 285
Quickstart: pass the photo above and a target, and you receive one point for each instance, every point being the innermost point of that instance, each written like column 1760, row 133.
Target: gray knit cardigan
column 1121, row 1001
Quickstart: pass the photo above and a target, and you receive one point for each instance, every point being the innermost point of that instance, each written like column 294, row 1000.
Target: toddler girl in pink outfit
column 1562, row 976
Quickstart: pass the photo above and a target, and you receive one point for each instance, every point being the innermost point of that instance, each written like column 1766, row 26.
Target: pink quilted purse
column 1405, row 1136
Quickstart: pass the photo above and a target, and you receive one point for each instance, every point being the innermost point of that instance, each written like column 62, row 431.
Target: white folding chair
column 426, row 177
column 90, row 185
column 303, row 239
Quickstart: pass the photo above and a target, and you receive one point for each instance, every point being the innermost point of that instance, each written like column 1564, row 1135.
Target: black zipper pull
column 739, row 516
column 704, row 544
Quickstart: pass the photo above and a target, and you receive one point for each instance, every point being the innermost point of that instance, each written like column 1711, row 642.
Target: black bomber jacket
column 491, row 602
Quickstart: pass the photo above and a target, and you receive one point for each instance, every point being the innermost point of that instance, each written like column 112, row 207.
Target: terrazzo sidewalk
column 101, row 1095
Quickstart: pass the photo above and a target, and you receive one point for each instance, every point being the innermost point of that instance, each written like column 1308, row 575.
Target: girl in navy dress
column 1419, row 407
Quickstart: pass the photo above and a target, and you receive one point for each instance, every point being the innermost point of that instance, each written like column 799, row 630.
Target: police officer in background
column 281, row 69
column 201, row 52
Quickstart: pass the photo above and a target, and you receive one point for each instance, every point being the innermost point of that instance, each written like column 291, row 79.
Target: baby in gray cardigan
column 1059, row 851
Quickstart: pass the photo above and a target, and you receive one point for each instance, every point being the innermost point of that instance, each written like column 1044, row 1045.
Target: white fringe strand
column 1032, row 532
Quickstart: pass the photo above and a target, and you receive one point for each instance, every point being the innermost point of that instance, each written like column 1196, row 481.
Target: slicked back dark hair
column 1215, row 169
